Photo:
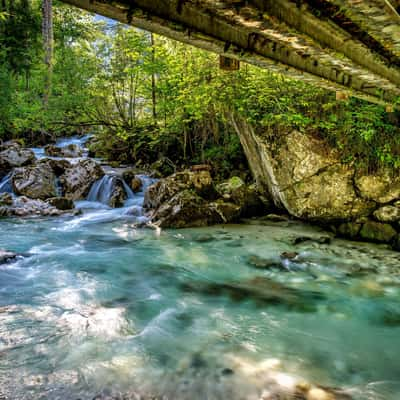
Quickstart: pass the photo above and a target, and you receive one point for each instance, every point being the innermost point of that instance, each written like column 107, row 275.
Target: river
column 96, row 305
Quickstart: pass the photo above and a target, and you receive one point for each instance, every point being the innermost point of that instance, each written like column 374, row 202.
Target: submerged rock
column 7, row 256
column 263, row 291
column 320, row 240
column 264, row 263
column 78, row 179
column 36, row 182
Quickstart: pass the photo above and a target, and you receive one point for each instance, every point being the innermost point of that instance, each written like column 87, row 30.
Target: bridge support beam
column 278, row 37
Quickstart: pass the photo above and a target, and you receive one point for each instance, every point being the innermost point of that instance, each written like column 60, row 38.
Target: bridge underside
column 352, row 46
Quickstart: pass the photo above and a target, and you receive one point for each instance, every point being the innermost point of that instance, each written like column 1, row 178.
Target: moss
column 377, row 232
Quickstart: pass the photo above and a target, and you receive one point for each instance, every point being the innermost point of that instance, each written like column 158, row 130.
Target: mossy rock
column 378, row 232
column 349, row 229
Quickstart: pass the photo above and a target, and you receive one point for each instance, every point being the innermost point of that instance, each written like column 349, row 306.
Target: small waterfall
column 59, row 189
column 128, row 190
column 6, row 185
column 102, row 190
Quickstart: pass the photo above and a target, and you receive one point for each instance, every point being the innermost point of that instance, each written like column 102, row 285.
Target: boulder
column 349, row 230
column 6, row 199
column 131, row 177
column 136, row 184
column 387, row 214
column 70, row 151
column 58, row 166
column 187, row 209
column 229, row 212
column 77, row 180
column 10, row 143
column 184, row 209
column 162, row 168
column 61, row 203
column 199, row 182
column 109, row 190
column 381, row 187
column 377, row 232
column 25, row 207
column 36, row 182
column 14, row 156
column 303, row 175
column 246, row 197
column 118, row 195
column 396, row 242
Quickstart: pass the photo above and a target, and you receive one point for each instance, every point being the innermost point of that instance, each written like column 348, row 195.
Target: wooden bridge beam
column 245, row 33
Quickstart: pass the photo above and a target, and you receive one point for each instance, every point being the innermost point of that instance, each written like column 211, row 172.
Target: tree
column 47, row 31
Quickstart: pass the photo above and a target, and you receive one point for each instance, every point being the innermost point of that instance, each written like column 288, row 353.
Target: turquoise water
column 99, row 306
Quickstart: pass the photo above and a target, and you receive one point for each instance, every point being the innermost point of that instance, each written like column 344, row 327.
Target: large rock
column 187, row 209
column 58, row 166
column 70, row 151
column 6, row 199
column 37, row 182
column 377, row 232
column 14, row 156
column 77, row 180
column 118, row 194
column 109, row 190
column 61, row 203
column 349, row 230
column 199, row 182
column 245, row 196
column 303, row 175
column 188, row 199
column 381, row 187
column 162, row 168
column 25, row 207
column 387, row 214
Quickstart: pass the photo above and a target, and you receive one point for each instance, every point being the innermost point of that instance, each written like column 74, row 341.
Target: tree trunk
column 153, row 79
column 47, row 30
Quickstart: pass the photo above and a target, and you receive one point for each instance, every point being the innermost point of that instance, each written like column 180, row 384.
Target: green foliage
column 149, row 98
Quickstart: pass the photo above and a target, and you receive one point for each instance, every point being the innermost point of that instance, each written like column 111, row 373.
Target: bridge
column 349, row 46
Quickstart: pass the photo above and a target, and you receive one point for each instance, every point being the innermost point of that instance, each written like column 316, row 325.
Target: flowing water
column 97, row 305
column 5, row 184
